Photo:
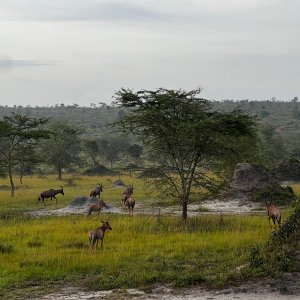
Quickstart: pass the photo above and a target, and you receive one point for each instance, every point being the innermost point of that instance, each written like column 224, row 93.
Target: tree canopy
column 189, row 138
column 62, row 149
column 18, row 136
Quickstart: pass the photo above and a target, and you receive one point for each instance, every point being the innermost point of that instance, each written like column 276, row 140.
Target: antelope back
column 272, row 209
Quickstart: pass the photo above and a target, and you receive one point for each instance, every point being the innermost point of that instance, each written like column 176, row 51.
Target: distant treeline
column 90, row 119
column 283, row 116
column 279, row 120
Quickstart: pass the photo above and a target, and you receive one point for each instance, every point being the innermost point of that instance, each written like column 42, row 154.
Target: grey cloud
column 44, row 10
column 178, row 14
column 267, row 62
column 230, row 48
column 11, row 63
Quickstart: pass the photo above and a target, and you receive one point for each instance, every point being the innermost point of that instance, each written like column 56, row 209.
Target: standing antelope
column 96, row 191
column 273, row 213
column 126, row 194
column 98, row 234
column 50, row 194
column 96, row 207
column 130, row 203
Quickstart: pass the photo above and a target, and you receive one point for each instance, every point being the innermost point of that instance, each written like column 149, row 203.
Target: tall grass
column 26, row 195
column 139, row 251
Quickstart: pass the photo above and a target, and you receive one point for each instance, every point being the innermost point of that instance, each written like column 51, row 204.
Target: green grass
column 138, row 252
column 26, row 195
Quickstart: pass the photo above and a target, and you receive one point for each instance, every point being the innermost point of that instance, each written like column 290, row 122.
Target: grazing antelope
column 130, row 203
column 98, row 234
column 96, row 191
column 274, row 214
column 96, row 207
column 126, row 194
column 50, row 194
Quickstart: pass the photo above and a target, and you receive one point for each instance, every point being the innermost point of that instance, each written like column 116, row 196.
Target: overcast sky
column 83, row 51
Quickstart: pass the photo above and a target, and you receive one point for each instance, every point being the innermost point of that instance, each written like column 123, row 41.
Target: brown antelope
column 96, row 207
column 96, row 191
column 98, row 234
column 274, row 214
column 130, row 203
column 126, row 194
column 50, row 194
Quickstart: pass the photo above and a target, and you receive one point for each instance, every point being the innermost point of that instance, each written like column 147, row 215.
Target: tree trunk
column 184, row 210
column 21, row 175
column 12, row 185
column 184, row 197
column 96, row 163
column 59, row 174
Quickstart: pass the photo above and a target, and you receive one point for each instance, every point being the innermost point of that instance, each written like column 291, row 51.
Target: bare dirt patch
column 287, row 288
column 234, row 206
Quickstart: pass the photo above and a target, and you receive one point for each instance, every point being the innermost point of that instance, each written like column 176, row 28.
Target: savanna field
column 139, row 251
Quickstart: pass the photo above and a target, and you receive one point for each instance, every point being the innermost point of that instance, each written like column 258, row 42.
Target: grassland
column 138, row 252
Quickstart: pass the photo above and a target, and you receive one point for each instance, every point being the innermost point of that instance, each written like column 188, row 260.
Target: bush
column 256, row 259
column 279, row 196
column 6, row 248
column 289, row 227
column 278, row 255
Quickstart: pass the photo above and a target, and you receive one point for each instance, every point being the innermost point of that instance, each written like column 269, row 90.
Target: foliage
column 264, row 113
column 6, row 248
column 95, row 119
column 99, row 170
column 92, row 148
column 279, row 196
column 278, row 254
column 2, row 171
column 290, row 227
column 135, row 150
column 272, row 148
column 188, row 136
column 256, row 259
column 62, row 149
column 18, row 137
column 112, row 147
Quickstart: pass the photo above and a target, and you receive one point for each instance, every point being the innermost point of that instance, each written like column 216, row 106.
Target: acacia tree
column 135, row 151
column 273, row 150
column 63, row 147
column 111, row 148
column 92, row 148
column 18, row 136
column 187, row 136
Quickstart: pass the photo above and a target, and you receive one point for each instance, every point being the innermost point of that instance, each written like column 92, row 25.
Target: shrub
column 6, row 248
